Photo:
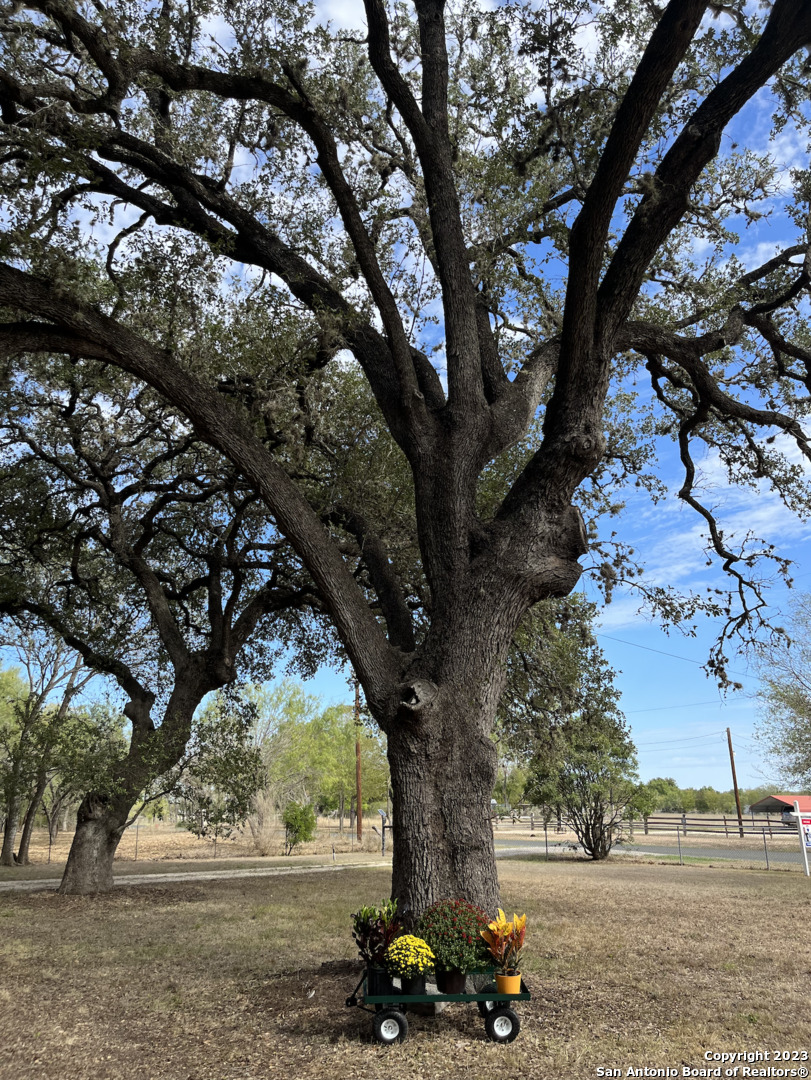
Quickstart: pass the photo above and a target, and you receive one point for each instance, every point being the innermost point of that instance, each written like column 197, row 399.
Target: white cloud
column 342, row 15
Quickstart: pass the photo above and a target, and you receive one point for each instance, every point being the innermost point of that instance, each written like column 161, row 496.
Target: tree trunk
column 52, row 817
column 99, row 826
column 442, row 769
column 28, row 824
column 10, row 833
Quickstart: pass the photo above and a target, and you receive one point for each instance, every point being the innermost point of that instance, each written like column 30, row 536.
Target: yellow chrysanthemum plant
column 505, row 940
column 409, row 957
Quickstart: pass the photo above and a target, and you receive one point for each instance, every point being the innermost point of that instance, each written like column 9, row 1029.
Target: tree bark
column 100, row 824
column 441, row 757
column 30, row 816
column 10, row 832
column 442, row 771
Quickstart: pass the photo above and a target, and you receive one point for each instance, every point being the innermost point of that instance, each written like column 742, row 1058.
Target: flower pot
column 413, row 985
column 378, row 982
column 508, row 984
column 451, row 982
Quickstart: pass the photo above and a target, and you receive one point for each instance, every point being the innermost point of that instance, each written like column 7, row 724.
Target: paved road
column 750, row 854
column 535, row 846
column 42, row 884
column 505, row 848
column 194, row 875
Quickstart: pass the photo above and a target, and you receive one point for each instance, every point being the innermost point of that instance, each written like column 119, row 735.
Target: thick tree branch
column 787, row 29
column 429, row 129
column 573, row 442
column 665, row 51
column 384, row 580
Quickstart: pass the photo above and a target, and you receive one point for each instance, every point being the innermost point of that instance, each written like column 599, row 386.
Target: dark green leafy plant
column 374, row 929
column 453, row 930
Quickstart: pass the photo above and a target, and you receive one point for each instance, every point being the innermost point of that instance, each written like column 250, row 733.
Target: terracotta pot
column 451, row 982
column 508, row 984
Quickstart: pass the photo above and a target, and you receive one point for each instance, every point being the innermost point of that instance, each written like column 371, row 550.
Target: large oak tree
column 497, row 214
column 140, row 548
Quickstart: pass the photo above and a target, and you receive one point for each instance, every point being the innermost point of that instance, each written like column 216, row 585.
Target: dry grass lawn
column 630, row 964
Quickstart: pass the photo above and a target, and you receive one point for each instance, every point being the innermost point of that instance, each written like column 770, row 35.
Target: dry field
column 631, row 965
column 161, row 841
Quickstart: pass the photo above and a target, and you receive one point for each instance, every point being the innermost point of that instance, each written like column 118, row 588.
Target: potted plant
column 453, row 931
column 410, row 957
column 505, row 940
column 374, row 929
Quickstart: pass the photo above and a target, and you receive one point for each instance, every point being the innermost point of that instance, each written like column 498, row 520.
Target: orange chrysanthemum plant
column 505, row 940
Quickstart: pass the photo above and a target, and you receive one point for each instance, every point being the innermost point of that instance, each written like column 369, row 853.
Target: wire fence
column 762, row 844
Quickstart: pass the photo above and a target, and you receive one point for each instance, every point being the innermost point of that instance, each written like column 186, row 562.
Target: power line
column 672, row 749
column 674, row 656
column 664, row 708
column 691, row 738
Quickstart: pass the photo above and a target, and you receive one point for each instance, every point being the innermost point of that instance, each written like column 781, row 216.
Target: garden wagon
column 501, row 1021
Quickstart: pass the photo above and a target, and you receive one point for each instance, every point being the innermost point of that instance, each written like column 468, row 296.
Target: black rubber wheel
column 502, row 1024
column 486, row 1007
column 390, row 1026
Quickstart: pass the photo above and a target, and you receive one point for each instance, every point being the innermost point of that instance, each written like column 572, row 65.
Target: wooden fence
column 723, row 825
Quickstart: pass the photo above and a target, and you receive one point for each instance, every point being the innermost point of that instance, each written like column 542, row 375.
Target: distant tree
column 784, row 728
column 299, row 825
column 51, row 676
column 221, row 771
column 560, row 718
column 308, row 755
column 510, row 785
column 588, row 769
column 666, row 793
column 578, row 749
column 333, row 735
column 687, row 799
column 140, row 548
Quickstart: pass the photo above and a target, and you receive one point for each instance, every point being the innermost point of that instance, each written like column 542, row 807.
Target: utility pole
column 735, row 781
column 358, row 804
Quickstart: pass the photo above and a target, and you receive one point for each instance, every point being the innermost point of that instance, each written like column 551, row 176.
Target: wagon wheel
column 502, row 1024
column 390, row 1026
column 486, row 1007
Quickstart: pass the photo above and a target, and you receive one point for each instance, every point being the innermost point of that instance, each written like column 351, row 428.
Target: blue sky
column 677, row 715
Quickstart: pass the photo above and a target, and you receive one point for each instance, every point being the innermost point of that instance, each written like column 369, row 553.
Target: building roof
column 776, row 804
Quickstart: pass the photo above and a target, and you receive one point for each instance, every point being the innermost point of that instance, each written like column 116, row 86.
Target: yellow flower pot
column 508, row 984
